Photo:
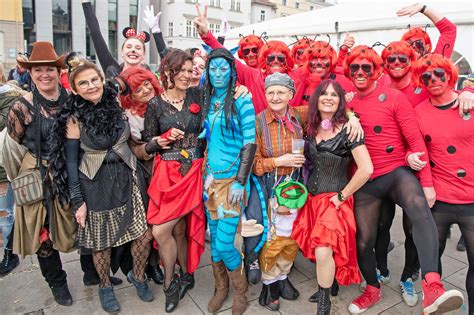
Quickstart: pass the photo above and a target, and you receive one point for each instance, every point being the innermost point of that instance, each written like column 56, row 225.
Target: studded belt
column 182, row 154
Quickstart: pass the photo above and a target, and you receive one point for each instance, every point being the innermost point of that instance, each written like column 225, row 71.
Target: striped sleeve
column 246, row 113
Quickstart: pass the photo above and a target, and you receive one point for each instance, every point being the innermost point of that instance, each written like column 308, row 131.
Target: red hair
column 249, row 40
column 400, row 48
column 275, row 46
column 418, row 33
column 134, row 77
column 320, row 49
column 433, row 61
column 368, row 53
column 302, row 43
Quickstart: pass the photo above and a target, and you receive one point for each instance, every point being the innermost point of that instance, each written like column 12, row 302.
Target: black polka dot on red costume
column 427, row 138
column 389, row 149
column 451, row 149
column 461, row 173
column 432, row 164
column 378, row 129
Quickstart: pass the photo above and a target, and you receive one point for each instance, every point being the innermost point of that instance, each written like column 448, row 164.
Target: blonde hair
column 3, row 79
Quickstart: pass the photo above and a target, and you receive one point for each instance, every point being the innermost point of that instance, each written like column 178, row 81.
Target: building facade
column 262, row 10
column 290, row 7
column 11, row 32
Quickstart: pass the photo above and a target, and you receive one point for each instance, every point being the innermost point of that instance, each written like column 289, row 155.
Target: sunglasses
column 247, row 51
column 427, row 75
column 401, row 58
column 280, row 58
column 354, row 67
column 417, row 43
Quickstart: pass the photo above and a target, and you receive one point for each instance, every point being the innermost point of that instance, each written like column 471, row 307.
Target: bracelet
column 423, row 9
column 341, row 197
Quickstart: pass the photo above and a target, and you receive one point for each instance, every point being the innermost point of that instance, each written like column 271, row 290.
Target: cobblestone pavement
column 25, row 291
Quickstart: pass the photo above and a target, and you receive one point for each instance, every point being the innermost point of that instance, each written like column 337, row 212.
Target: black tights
column 401, row 187
column 446, row 214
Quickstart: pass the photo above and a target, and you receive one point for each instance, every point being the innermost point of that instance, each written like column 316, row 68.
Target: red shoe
column 371, row 296
column 436, row 299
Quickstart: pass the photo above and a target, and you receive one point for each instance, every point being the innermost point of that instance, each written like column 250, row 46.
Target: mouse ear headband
column 130, row 32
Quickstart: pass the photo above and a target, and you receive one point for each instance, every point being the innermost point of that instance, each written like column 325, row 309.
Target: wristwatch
column 341, row 197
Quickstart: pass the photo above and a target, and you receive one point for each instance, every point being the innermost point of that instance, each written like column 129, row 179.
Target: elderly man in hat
column 43, row 223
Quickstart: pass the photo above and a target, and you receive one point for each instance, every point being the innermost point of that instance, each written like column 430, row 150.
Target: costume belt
column 182, row 154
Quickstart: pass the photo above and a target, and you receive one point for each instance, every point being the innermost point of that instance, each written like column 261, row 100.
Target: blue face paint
column 219, row 73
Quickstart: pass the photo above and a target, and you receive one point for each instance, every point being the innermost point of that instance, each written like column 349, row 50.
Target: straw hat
column 43, row 54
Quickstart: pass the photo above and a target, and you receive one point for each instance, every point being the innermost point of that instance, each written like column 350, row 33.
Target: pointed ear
column 234, row 50
column 207, row 49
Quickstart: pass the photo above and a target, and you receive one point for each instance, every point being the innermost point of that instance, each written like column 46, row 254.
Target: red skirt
column 173, row 196
column 319, row 224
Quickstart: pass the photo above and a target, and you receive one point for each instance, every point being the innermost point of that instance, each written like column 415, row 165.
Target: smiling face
column 278, row 98
column 219, row 73
column 320, row 66
column 329, row 100
column 45, row 78
column 133, row 51
column 89, row 85
column 276, row 62
column 144, row 93
column 397, row 65
column 436, row 81
column 361, row 72
column 250, row 54
column 198, row 67
column 182, row 79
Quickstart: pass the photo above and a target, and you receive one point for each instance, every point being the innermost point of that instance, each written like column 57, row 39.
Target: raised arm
column 153, row 22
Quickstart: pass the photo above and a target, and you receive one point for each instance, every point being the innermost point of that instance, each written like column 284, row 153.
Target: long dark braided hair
column 229, row 108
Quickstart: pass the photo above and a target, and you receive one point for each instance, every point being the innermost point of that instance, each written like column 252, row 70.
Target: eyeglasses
column 247, row 51
column 427, row 75
column 401, row 58
column 417, row 43
column 84, row 84
column 271, row 58
column 354, row 67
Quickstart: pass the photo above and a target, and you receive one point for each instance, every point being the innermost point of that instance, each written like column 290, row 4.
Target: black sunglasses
column 247, row 51
column 401, row 58
column 427, row 75
column 354, row 67
column 271, row 58
column 418, row 43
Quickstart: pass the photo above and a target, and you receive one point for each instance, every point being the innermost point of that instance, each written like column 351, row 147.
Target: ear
column 73, row 92
column 234, row 50
column 207, row 49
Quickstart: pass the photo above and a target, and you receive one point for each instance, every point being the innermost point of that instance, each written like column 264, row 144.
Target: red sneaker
column 371, row 296
column 436, row 299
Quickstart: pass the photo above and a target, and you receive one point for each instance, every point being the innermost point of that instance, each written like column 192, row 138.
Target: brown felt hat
column 42, row 54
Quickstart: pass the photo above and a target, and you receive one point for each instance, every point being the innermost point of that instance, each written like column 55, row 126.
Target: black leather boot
column 154, row 273
column 186, row 283
column 61, row 295
column 287, row 290
column 172, row 294
column 10, row 261
column 324, row 306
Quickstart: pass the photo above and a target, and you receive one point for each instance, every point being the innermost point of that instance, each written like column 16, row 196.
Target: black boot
column 172, row 295
column 10, row 261
column 287, row 290
column 334, row 288
column 270, row 296
column 186, row 283
column 316, row 296
column 61, row 295
column 154, row 273
column 254, row 274
column 324, row 306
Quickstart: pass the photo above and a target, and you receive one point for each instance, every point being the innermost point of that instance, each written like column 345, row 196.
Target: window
column 170, row 29
column 215, row 3
column 218, row 28
column 113, row 27
column 29, row 20
column 133, row 13
column 262, row 15
column 297, row 5
column 283, row 2
column 235, row 5
column 62, row 34
column 189, row 28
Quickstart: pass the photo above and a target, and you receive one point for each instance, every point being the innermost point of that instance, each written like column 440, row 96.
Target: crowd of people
column 303, row 148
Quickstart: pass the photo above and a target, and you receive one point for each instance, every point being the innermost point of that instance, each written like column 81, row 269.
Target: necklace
column 217, row 103
column 171, row 101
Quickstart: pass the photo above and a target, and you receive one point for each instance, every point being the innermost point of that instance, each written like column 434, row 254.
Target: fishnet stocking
column 140, row 251
column 102, row 265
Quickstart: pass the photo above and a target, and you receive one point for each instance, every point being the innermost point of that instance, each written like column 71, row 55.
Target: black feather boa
column 103, row 118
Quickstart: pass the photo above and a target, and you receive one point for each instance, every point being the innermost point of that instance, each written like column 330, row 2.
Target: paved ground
column 25, row 291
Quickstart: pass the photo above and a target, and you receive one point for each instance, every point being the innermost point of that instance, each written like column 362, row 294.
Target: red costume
column 298, row 51
column 249, row 48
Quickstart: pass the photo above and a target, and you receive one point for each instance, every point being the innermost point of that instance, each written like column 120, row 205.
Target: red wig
column 418, row 33
column 320, row 49
column 433, row 61
column 275, row 47
column 360, row 52
column 134, row 77
column 302, row 43
column 399, row 48
column 249, row 40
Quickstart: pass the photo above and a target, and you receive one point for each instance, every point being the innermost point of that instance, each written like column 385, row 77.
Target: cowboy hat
column 42, row 54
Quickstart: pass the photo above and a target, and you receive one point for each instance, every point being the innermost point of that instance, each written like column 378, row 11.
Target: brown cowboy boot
column 221, row 287
column 240, row 286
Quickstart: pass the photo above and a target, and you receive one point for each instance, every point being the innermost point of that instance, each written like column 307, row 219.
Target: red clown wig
column 418, row 33
column 361, row 52
column 302, row 43
column 399, row 48
column 321, row 50
column 432, row 61
column 134, row 77
column 249, row 40
column 275, row 47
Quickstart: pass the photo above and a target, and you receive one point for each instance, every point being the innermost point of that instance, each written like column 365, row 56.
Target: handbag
column 28, row 187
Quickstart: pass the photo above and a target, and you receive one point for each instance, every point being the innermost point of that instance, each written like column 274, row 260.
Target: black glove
column 152, row 147
column 247, row 155
column 72, row 162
